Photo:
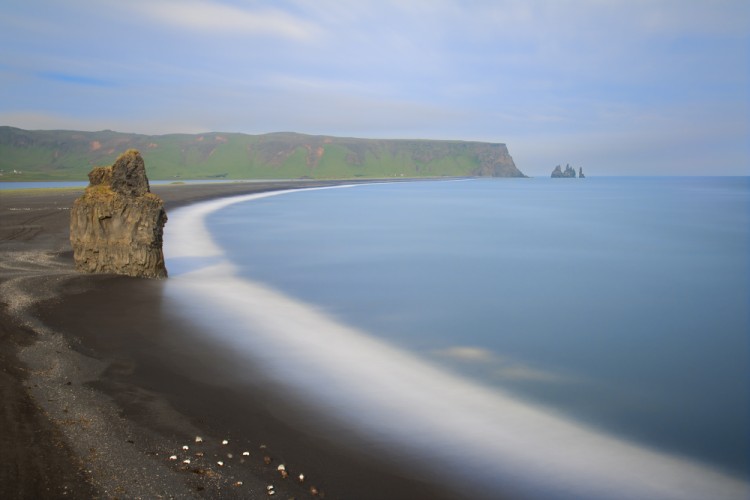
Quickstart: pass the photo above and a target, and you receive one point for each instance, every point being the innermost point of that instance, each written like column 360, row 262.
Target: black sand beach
column 95, row 401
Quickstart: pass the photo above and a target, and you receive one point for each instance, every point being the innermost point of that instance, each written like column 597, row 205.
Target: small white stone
column 229, row 455
column 185, row 447
column 281, row 467
column 225, row 442
column 269, row 487
column 198, row 439
column 186, row 461
column 173, row 457
column 245, row 453
column 220, row 463
column 301, row 478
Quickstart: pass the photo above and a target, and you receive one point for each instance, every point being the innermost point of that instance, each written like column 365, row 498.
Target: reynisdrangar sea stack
column 117, row 225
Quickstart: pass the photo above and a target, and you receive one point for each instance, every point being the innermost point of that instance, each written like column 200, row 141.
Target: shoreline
column 117, row 380
column 490, row 440
column 100, row 407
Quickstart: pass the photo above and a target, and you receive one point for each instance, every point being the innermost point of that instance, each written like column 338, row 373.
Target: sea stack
column 116, row 226
column 569, row 172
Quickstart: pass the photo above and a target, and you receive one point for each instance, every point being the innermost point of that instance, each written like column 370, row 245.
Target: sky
column 618, row 87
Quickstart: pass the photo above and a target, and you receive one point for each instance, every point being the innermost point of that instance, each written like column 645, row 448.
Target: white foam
column 482, row 436
column 186, row 234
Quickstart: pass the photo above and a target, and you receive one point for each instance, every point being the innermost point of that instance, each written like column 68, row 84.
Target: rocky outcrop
column 580, row 173
column 569, row 172
column 116, row 226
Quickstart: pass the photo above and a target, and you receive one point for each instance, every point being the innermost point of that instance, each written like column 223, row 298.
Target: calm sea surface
column 617, row 304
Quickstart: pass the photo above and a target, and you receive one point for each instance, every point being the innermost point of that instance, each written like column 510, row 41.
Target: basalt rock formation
column 569, row 172
column 116, row 226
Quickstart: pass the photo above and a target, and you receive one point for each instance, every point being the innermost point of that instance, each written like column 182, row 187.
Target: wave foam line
column 186, row 234
column 484, row 437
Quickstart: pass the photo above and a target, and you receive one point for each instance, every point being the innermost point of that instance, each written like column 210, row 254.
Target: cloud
column 524, row 72
column 39, row 120
column 661, row 141
column 217, row 17
column 639, row 18
column 75, row 79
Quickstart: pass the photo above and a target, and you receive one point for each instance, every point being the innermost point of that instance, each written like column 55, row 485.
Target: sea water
column 592, row 329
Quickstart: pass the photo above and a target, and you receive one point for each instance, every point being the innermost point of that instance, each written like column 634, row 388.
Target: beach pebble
column 269, row 487
column 185, row 447
column 281, row 467
column 198, row 439
column 173, row 457
column 301, row 478
column 262, row 447
column 230, row 456
column 238, row 483
column 186, row 461
column 245, row 453
column 199, row 454
column 220, row 463
column 225, row 442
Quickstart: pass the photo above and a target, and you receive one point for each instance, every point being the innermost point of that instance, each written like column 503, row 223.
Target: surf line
column 486, row 438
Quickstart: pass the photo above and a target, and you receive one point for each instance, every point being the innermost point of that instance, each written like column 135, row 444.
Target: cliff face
column 116, row 226
column 495, row 161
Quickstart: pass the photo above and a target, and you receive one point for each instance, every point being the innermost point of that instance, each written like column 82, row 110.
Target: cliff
column 69, row 155
column 116, row 226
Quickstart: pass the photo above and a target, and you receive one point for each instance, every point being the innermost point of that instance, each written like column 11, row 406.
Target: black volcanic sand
column 97, row 401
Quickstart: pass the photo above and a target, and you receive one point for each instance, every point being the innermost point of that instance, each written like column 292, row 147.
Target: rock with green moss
column 117, row 225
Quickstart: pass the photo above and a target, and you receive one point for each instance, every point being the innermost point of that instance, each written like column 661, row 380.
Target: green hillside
column 69, row 155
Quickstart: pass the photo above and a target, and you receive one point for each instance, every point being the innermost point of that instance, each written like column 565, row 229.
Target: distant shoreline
column 69, row 155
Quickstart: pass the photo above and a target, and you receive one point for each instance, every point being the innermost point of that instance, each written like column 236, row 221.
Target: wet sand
column 97, row 399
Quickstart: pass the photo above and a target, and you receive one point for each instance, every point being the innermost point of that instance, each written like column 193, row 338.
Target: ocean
column 547, row 338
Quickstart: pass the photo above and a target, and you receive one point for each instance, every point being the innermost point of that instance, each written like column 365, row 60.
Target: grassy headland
column 60, row 155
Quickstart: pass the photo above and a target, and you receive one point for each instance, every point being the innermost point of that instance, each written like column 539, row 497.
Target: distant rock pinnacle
column 569, row 172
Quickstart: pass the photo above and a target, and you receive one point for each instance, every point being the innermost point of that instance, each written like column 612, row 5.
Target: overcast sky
column 618, row 87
